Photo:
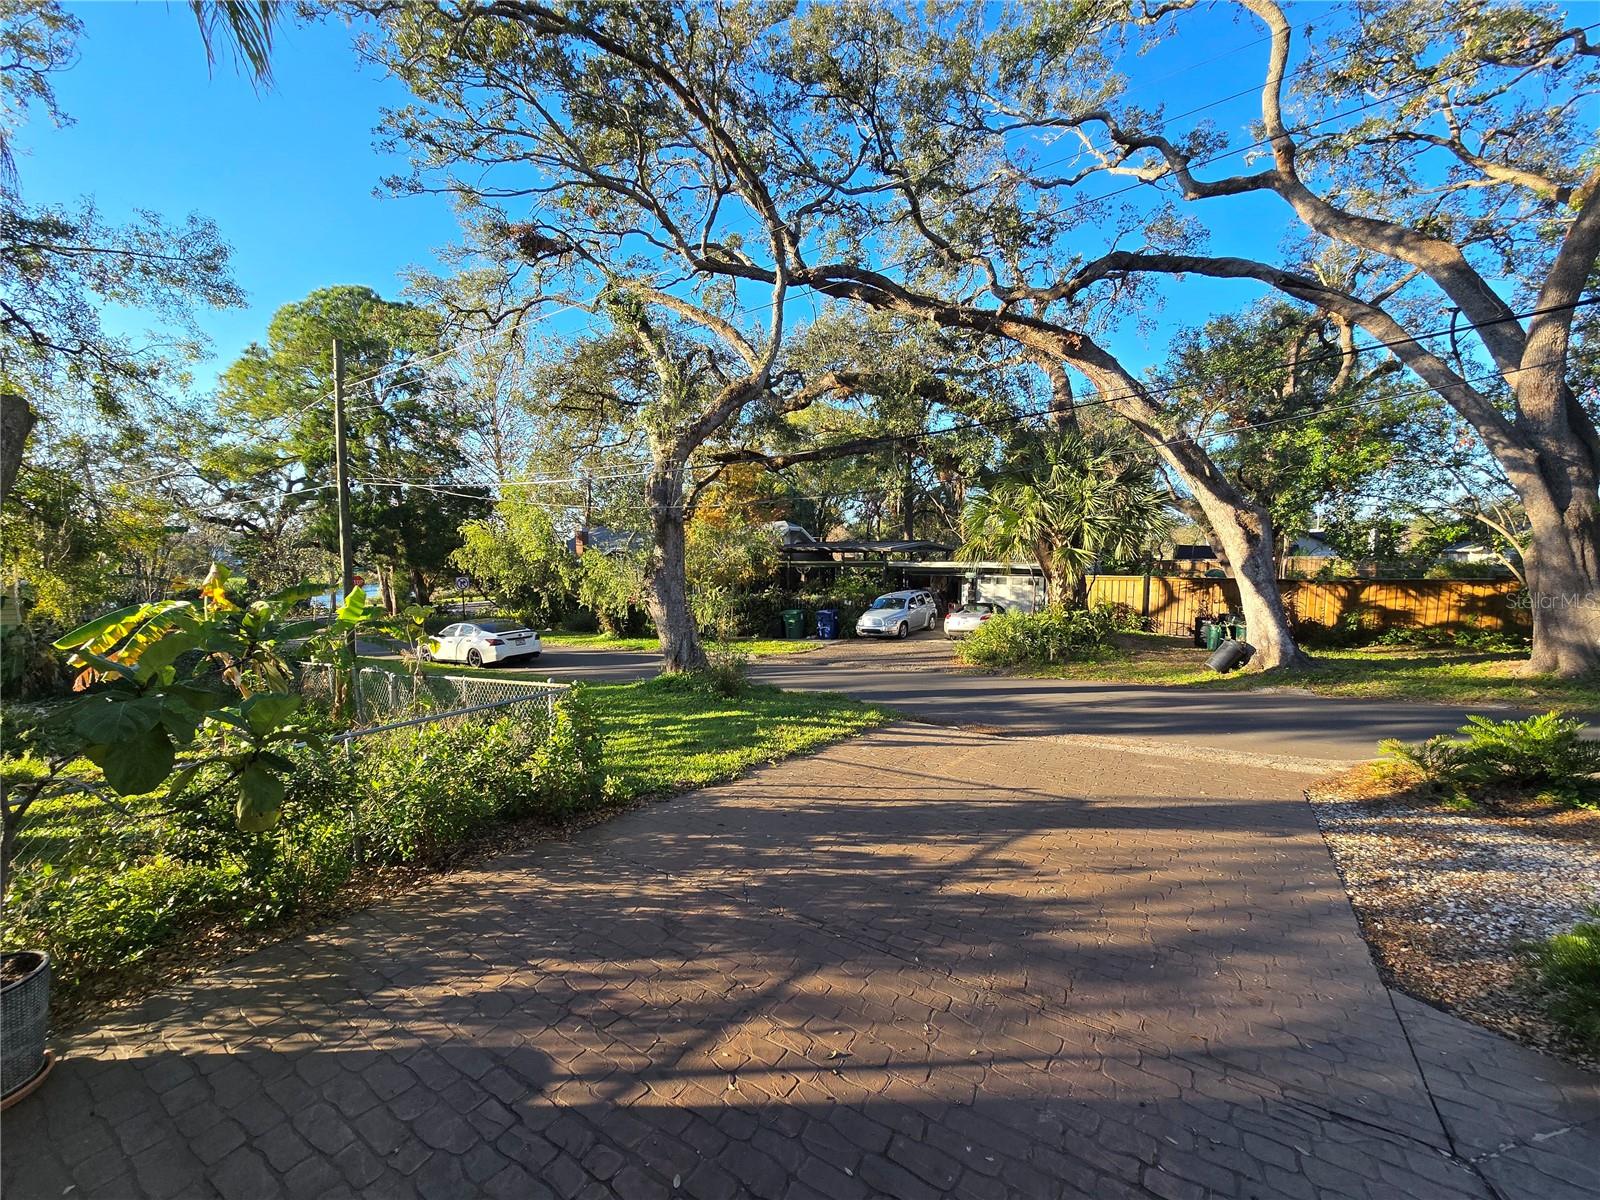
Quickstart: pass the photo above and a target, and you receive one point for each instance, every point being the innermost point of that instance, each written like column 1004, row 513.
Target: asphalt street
column 919, row 678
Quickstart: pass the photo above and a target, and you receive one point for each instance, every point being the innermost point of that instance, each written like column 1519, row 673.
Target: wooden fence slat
column 1175, row 601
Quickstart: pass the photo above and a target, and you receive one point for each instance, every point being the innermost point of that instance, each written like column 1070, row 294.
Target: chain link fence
column 387, row 699
column 88, row 850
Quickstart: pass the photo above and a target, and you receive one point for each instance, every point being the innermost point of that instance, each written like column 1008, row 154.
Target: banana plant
column 175, row 685
column 170, row 687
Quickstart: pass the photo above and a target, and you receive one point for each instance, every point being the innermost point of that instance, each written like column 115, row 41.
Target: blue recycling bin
column 827, row 623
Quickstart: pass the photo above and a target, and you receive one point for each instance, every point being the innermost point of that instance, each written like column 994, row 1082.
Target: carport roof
column 867, row 547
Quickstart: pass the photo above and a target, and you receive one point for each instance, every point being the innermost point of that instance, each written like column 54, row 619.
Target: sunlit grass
column 1370, row 672
column 666, row 734
column 606, row 641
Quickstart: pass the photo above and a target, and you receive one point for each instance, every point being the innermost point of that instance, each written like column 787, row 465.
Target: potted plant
column 166, row 688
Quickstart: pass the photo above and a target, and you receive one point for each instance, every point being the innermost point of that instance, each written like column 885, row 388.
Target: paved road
column 1286, row 723
column 927, row 963
column 919, row 678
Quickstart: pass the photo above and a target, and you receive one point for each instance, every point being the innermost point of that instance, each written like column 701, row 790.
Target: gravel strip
column 1445, row 899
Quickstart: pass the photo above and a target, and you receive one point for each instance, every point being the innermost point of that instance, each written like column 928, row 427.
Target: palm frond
column 247, row 25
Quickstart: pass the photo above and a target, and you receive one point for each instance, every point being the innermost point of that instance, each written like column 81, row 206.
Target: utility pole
column 341, row 474
column 347, row 544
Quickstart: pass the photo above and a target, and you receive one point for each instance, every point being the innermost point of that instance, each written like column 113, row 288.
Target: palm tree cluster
column 1069, row 501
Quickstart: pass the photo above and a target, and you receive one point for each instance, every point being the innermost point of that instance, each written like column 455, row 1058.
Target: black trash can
column 1232, row 653
column 827, row 623
column 1201, row 624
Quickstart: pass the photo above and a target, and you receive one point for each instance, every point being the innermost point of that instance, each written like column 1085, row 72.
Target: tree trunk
column 1563, row 582
column 16, row 422
column 419, row 586
column 386, row 588
column 666, row 578
column 1243, row 527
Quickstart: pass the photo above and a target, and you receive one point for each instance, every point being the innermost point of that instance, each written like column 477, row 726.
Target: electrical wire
column 1233, row 430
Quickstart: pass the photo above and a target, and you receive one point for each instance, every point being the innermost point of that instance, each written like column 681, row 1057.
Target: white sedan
column 478, row 643
column 966, row 619
column 898, row 615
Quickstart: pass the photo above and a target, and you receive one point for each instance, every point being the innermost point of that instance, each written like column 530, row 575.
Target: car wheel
column 902, row 630
column 424, row 654
column 474, row 659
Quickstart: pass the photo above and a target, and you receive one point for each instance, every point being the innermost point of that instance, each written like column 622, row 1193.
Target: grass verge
column 758, row 647
column 1370, row 673
column 669, row 734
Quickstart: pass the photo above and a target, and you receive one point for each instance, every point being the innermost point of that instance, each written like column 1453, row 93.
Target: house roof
column 866, row 547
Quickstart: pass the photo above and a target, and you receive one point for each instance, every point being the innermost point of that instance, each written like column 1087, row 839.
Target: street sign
column 463, row 582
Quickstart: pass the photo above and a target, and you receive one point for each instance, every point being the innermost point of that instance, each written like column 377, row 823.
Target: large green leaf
column 104, row 665
column 260, row 800
column 180, row 719
column 267, row 711
column 84, row 634
column 180, row 783
column 111, row 717
column 137, row 765
column 354, row 607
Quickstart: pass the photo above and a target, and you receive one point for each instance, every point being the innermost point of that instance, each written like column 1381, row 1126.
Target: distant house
column 14, row 604
column 1469, row 550
column 1312, row 545
column 605, row 541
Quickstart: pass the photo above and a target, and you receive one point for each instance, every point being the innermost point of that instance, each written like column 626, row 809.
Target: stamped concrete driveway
column 924, row 963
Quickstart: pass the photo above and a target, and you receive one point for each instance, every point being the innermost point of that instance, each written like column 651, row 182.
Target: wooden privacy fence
column 1174, row 602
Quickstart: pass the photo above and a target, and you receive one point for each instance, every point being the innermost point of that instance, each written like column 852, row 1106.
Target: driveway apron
column 928, row 962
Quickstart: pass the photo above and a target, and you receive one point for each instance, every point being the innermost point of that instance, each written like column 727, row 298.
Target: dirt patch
column 1448, row 898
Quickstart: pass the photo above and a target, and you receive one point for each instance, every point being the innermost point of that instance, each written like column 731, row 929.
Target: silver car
column 898, row 614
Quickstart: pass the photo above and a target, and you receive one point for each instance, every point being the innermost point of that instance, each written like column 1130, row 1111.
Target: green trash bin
column 1216, row 634
column 1239, row 632
column 794, row 622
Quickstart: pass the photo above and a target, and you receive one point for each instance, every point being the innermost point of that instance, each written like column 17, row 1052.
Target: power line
column 868, row 445
column 1421, row 390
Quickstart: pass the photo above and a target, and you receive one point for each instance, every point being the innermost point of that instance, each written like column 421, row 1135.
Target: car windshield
column 499, row 626
column 889, row 602
column 982, row 608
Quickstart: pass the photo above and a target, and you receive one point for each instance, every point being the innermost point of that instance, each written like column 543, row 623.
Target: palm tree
column 1067, row 501
column 246, row 25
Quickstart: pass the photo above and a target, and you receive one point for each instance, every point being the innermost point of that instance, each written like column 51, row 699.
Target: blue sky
column 290, row 174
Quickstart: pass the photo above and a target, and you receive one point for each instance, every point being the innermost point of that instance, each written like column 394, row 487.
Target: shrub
column 1567, row 970
column 1545, row 753
column 1124, row 619
column 426, row 788
column 569, row 763
column 1053, row 635
column 727, row 671
column 100, row 886
column 759, row 614
column 1438, row 763
column 1488, row 640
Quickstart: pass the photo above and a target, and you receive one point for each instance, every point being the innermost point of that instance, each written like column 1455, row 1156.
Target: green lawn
column 606, row 641
column 670, row 733
column 1371, row 672
column 666, row 734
